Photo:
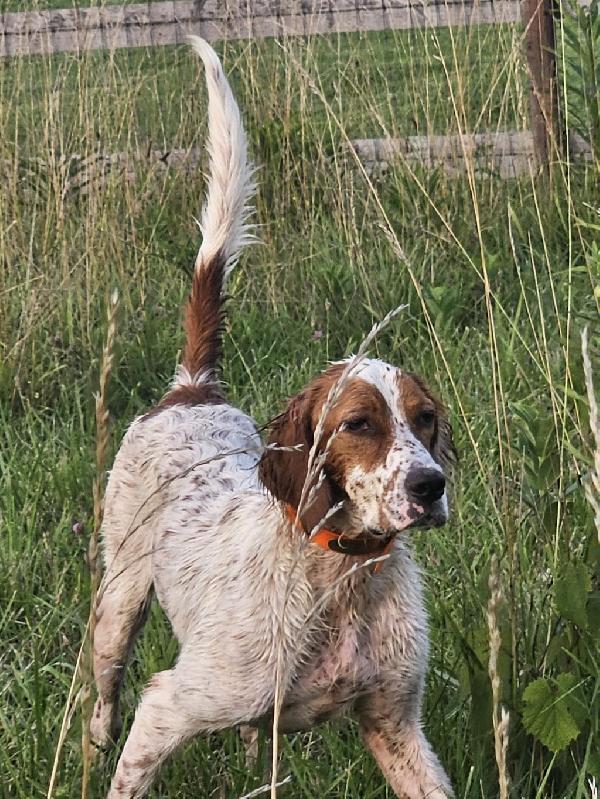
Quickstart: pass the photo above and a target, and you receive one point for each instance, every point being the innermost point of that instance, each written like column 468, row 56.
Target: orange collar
column 329, row 540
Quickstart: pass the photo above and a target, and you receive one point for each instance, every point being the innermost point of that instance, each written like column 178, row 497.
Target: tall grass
column 499, row 276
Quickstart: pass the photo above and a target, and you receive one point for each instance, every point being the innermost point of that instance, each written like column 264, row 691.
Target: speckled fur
column 188, row 517
column 219, row 553
column 379, row 493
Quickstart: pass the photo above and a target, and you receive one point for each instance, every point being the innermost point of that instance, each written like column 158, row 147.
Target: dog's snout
column 425, row 486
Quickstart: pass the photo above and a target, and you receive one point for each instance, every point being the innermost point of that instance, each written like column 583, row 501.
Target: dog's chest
column 340, row 665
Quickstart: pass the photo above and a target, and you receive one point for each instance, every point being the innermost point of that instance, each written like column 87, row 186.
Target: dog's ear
column 444, row 450
column 284, row 471
column 442, row 445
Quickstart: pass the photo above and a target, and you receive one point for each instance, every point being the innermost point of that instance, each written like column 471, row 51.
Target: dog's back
column 189, row 462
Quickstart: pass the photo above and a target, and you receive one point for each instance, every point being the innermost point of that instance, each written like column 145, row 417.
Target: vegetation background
column 500, row 278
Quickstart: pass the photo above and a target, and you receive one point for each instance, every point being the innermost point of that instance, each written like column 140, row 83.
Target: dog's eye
column 359, row 425
column 426, row 418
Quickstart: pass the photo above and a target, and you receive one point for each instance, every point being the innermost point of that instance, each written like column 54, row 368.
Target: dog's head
column 386, row 445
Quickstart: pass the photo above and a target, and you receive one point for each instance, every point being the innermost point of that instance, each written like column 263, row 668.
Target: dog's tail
column 224, row 225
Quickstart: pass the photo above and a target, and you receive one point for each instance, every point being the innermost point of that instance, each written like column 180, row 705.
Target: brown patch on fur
column 417, row 397
column 143, row 763
column 192, row 394
column 416, row 400
column 284, row 472
column 368, row 448
column 203, row 321
column 203, row 324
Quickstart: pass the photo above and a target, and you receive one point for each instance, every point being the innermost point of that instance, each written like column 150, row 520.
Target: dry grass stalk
column 71, row 704
column 388, row 230
column 500, row 716
column 265, row 789
column 102, row 436
column 592, row 484
column 82, row 670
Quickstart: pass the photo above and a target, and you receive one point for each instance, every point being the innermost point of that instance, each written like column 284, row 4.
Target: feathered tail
column 224, row 224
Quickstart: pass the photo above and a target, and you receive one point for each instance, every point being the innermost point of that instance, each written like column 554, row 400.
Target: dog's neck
column 363, row 544
column 346, row 585
column 338, row 556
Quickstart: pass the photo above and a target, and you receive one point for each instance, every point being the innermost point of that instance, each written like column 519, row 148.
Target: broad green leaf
column 571, row 590
column 593, row 764
column 558, row 643
column 593, row 613
column 547, row 714
column 593, row 556
column 481, row 704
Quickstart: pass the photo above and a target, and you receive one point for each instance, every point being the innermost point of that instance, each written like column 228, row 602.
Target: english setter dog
column 246, row 545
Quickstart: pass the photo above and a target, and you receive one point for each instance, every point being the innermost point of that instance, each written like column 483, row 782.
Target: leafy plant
column 550, row 711
column 582, row 66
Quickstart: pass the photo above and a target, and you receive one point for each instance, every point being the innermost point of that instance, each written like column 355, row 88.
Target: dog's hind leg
column 124, row 600
column 121, row 614
column 249, row 736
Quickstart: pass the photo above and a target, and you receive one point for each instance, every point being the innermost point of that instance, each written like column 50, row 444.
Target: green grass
column 383, row 83
column 500, row 281
column 50, row 5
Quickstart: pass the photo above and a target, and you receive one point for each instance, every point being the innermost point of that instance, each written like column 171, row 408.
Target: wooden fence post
column 538, row 19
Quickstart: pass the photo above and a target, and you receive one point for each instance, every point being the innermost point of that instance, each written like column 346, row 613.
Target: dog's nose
column 425, row 486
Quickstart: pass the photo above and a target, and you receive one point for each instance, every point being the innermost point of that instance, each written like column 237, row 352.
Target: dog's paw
column 249, row 736
column 441, row 790
column 105, row 726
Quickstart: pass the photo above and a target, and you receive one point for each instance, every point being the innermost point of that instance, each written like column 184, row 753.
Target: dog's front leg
column 390, row 725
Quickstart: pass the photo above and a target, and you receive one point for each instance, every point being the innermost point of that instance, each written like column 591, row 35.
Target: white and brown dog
column 246, row 546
